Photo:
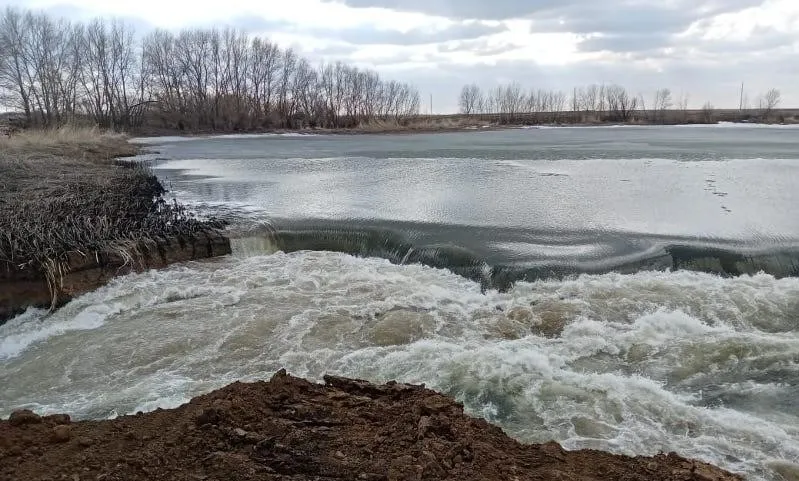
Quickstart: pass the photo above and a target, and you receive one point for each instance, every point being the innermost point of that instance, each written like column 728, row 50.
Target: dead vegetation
column 82, row 143
column 421, row 124
column 61, row 196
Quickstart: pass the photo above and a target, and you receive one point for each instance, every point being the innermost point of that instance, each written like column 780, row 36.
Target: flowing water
column 626, row 289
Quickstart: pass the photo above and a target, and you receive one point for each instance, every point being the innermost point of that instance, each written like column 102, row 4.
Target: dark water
column 504, row 206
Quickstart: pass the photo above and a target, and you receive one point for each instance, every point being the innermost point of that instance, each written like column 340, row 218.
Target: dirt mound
column 289, row 428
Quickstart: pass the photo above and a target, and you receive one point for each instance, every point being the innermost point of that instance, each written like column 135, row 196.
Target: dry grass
column 58, row 199
column 86, row 143
column 421, row 124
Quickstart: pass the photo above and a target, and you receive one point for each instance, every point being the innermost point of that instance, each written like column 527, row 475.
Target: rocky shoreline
column 292, row 429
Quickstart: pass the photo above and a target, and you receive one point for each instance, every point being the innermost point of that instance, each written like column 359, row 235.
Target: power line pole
column 741, row 105
column 431, row 104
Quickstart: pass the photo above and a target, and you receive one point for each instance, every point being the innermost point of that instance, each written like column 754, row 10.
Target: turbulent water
column 632, row 290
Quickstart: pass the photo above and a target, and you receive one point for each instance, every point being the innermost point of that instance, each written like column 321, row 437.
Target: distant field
column 693, row 116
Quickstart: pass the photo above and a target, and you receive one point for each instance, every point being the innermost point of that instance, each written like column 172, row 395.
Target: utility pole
column 741, row 105
column 431, row 104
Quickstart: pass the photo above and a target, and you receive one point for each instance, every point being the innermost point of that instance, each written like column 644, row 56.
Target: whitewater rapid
column 635, row 364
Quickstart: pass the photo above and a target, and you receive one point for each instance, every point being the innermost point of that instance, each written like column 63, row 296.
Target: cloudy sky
column 705, row 48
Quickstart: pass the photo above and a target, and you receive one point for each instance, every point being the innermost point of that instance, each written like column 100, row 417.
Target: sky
column 703, row 48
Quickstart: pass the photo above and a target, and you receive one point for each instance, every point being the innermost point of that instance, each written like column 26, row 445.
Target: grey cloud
column 371, row 36
column 463, row 9
column 632, row 28
column 506, row 9
column 479, row 47
column 626, row 26
column 462, row 31
column 595, row 18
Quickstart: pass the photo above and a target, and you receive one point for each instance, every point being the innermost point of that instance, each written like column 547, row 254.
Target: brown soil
column 291, row 429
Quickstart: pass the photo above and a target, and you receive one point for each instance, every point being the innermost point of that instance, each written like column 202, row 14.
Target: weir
column 494, row 271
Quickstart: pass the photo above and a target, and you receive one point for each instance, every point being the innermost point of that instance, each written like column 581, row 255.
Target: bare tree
column 14, row 63
column 470, row 98
column 663, row 102
column 769, row 101
column 108, row 66
column 682, row 104
column 708, row 113
column 620, row 103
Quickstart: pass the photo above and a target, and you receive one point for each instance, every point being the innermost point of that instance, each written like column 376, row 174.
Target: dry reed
column 85, row 143
column 58, row 199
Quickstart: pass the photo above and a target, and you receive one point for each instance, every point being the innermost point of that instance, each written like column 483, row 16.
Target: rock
column 424, row 426
column 85, row 442
column 223, row 405
column 59, row 419
column 435, row 405
column 208, row 416
column 62, row 433
column 23, row 417
column 240, row 433
column 704, row 472
column 404, row 468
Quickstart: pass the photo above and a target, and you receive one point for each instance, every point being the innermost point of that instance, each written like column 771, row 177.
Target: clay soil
column 291, row 429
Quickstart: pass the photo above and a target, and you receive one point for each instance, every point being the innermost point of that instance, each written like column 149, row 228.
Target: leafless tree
column 769, row 101
column 620, row 103
column 15, row 75
column 663, row 102
column 38, row 66
column 708, row 113
column 470, row 99
column 108, row 67
column 682, row 104
column 52, row 70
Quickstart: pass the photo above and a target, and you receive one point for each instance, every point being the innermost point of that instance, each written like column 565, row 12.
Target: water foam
column 34, row 326
column 625, row 363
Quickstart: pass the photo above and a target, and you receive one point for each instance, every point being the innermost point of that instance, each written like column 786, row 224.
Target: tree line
column 53, row 71
column 508, row 103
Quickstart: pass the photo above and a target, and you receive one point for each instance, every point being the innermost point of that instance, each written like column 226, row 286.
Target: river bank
column 443, row 124
column 74, row 218
column 289, row 428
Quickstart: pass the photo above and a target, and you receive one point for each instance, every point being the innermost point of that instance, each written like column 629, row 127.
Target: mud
column 291, row 429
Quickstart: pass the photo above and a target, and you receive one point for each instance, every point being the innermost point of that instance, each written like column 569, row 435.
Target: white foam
column 625, row 373
column 25, row 330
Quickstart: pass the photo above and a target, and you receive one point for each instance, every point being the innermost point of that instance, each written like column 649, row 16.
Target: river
column 631, row 289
